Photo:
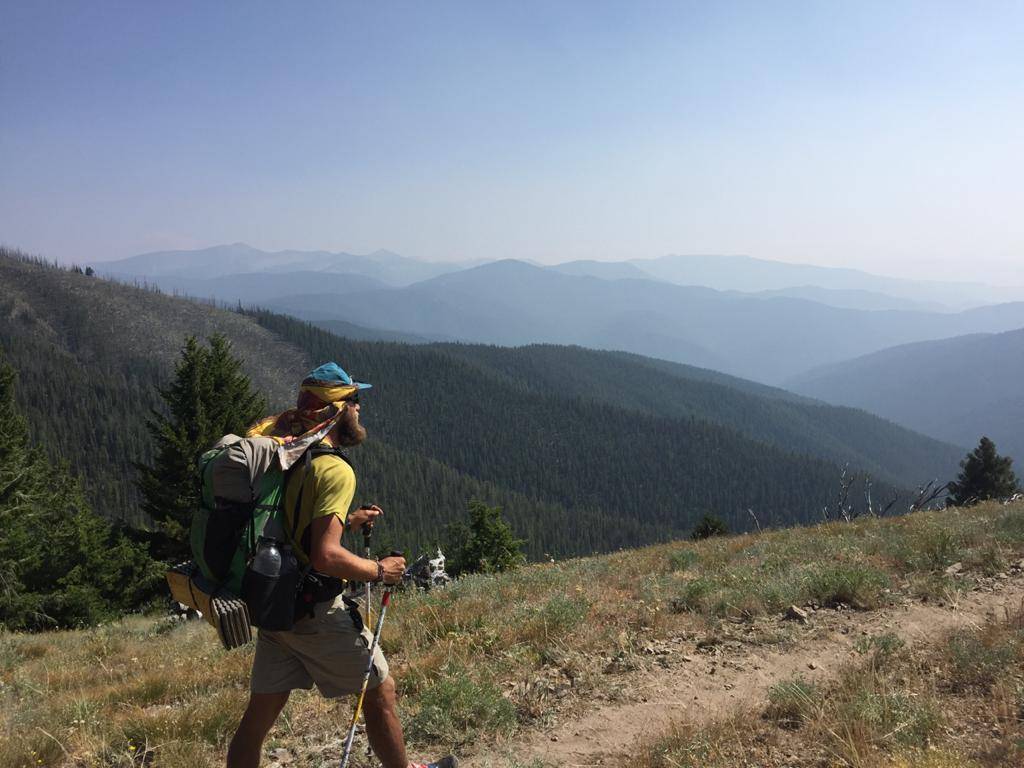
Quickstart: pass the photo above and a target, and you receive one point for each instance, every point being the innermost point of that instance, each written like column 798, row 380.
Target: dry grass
column 493, row 655
column 958, row 703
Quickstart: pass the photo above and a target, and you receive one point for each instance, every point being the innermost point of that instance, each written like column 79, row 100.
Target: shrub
column 456, row 710
column 892, row 716
column 882, row 647
column 792, row 702
column 485, row 545
column 682, row 559
column 939, row 548
column 709, row 526
column 854, row 584
column 977, row 660
column 694, row 595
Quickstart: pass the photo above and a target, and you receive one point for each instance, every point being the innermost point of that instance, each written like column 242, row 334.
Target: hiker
column 328, row 646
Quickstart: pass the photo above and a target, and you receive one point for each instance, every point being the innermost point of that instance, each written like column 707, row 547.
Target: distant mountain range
column 743, row 273
column 850, row 298
column 841, row 287
column 752, row 318
column 238, row 259
column 765, row 339
column 954, row 389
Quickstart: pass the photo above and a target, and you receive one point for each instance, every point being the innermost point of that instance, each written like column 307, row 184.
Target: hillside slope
column 954, row 389
column 91, row 355
column 567, row 663
column 577, row 467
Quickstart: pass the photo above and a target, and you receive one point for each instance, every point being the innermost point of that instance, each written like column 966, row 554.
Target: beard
column 349, row 432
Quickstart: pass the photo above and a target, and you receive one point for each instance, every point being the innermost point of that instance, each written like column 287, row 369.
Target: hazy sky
column 886, row 136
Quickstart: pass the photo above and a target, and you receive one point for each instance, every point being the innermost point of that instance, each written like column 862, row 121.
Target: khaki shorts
column 330, row 649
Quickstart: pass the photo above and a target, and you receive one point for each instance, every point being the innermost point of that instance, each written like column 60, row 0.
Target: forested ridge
column 758, row 411
column 585, row 451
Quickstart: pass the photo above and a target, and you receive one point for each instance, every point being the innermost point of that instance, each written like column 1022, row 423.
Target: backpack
column 238, row 534
column 241, row 490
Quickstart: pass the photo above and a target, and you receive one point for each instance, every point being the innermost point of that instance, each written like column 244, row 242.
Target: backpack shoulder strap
column 313, row 452
column 326, row 450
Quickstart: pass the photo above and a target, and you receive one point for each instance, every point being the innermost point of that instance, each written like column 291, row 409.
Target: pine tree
column 984, row 475
column 208, row 398
column 60, row 564
column 485, row 545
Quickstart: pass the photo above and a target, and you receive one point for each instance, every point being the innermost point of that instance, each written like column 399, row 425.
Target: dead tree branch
column 928, row 493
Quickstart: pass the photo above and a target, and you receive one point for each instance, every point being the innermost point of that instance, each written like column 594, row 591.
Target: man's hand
column 393, row 567
column 363, row 517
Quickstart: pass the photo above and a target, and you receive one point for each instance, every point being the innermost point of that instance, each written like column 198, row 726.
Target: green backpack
column 241, row 500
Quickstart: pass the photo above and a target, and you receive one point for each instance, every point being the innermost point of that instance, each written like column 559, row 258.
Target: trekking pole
column 385, row 601
column 367, row 535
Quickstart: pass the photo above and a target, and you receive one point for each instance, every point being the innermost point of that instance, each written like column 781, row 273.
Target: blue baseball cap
column 332, row 373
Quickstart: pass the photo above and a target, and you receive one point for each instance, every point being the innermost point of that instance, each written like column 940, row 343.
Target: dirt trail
column 699, row 686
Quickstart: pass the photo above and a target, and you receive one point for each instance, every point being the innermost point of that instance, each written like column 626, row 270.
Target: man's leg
column 247, row 743
column 383, row 728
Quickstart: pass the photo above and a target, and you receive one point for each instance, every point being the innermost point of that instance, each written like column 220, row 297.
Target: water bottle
column 270, row 585
column 268, row 558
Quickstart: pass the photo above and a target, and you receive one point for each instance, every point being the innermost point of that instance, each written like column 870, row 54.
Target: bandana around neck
column 318, row 408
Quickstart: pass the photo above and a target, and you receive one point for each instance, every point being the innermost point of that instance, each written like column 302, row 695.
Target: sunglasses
column 354, row 399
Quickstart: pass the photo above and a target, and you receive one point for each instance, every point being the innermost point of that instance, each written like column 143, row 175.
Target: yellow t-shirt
column 327, row 489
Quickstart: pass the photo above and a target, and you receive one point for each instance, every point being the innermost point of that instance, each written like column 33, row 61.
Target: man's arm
column 328, row 556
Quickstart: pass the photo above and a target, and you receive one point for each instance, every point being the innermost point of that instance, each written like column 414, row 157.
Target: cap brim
column 362, row 385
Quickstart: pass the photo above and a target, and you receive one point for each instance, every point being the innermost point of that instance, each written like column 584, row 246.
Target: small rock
column 685, row 657
column 955, row 569
column 812, row 665
column 554, row 738
column 796, row 614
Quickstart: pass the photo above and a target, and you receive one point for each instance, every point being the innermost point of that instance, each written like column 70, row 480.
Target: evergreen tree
column 709, row 526
column 60, row 564
column 984, row 475
column 209, row 397
column 485, row 545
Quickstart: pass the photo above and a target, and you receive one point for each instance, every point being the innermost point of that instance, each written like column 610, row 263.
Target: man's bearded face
column 349, row 431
